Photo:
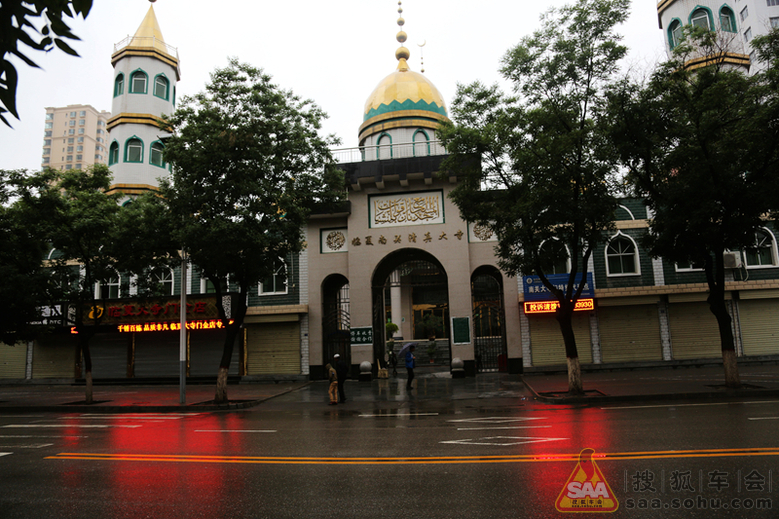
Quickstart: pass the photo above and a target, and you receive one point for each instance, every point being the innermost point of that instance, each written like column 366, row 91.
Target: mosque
column 399, row 251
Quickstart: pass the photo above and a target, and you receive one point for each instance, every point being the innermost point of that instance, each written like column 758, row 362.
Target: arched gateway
column 410, row 289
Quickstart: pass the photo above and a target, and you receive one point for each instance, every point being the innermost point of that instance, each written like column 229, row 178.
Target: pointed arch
column 119, row 85
column 622, row 256
column 421, row 142
column 139, row 82
column 161, row 86
column 133, row 149
column 384, row 146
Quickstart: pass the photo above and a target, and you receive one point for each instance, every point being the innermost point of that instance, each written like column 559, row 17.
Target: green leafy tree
column 247, row 165
column 24, row 285
column 82, row 219
column 702, row 146
column 17, row 26
column 536, row 167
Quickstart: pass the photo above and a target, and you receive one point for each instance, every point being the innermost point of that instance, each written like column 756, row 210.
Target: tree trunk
column 720, row 311
column 224, row 366
column 575, row 386
column 564, row 315
column 221, row 386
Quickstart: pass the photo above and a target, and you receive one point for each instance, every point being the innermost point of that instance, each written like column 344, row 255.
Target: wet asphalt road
column 489, row 452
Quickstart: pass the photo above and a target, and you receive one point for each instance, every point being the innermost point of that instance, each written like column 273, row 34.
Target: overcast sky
column 333, row 52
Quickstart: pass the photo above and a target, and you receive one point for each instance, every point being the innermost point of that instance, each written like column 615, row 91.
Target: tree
column 24, row 285
column 702, row 146
column 543, row 179
column 16, row 25
column 247, row 165
column 82, row 219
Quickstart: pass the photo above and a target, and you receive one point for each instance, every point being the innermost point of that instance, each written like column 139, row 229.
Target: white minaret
column 146, row 71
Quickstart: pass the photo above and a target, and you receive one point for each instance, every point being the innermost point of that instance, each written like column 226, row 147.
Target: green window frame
column 161, row 86
column 276, row 283
column 424, row 142
column 113, row 153
column 761, row 254
column 156, row 151
column 379, row 154
column 133, row 150
column 727, row 19
column 701, row 17
column 139, row 82
column 119, row 85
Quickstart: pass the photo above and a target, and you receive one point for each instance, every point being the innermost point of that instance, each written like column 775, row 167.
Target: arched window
column 276, row 283
column 109, row 288
column 621, row 256
column 161, row 85
column 384, row 147
column 762, row 253
column 138, row 82
column 113, row 153
column 421, row 144
column 727, row 19
column 554, row 257
column 119, row 85
column 164, row 279
column 133, row 150
column 701, row 17
column 675, row 33
column 155, row 154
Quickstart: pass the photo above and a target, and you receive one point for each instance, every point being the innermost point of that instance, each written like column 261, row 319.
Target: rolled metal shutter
column 273, row 349
column 759, row 326
column 109, row 355
column 13, row 360
column 546, row 341
column 54, row 357
column 694, row 331
column 630, row 333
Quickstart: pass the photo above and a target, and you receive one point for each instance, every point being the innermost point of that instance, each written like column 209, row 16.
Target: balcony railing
column 147, row 42
column 388, row 151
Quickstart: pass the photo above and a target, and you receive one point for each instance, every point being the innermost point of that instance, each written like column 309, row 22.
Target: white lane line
column 691, row 405
column 396, row 415
column 40, row 436
column 765, row 418
column 125, row 418
column 31, row 446
column 5, row 453
column 503, row 441
column 144, row 416
column 75, row 426
column 236, row 430
column 498, row 419
column 508, row 427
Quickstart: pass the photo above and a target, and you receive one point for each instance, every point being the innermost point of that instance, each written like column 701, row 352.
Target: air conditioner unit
column 732, row 260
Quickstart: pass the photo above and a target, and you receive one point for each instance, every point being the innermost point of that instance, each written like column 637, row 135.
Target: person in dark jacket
column 343, row 371
column 410, row 365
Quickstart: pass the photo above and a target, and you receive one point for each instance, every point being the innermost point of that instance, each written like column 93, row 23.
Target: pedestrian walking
column 342, row 370
column 333, row 390
column 410, row 365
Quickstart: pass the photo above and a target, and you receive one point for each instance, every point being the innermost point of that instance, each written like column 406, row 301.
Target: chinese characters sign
column 548, row 307
column 363, row 335
column 536, row 291
column 213, row 324
column 152, row 311
column 406, row 209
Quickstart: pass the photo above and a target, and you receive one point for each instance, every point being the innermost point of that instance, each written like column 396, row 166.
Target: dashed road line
column 63, row 425
column 235, row 430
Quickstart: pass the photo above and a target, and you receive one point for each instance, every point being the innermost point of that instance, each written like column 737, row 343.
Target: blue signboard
column 536, row 291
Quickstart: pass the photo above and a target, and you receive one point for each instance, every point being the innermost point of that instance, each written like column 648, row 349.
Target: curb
column 727, row 394
column 139, row 409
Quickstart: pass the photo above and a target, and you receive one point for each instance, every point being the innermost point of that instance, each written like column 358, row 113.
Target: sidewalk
column 689, row 382
column 137, row 398
column 644, row 384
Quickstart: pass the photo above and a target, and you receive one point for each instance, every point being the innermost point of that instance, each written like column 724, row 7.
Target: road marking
column 75, row 426
column 691, row 405
column 498, row 419
column 237, row 430
column 503, row 441
column 507, row 427
column 31, row 446
column 165, row 416
column 765, row 418
column 396, row 415
column 5, row 453
column 39, row 436
column 431, row 460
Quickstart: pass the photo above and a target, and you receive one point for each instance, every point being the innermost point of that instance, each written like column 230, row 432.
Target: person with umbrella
column 407, row 353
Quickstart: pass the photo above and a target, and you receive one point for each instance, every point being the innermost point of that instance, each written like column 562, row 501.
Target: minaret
column 403, row 112
column 146, row 71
